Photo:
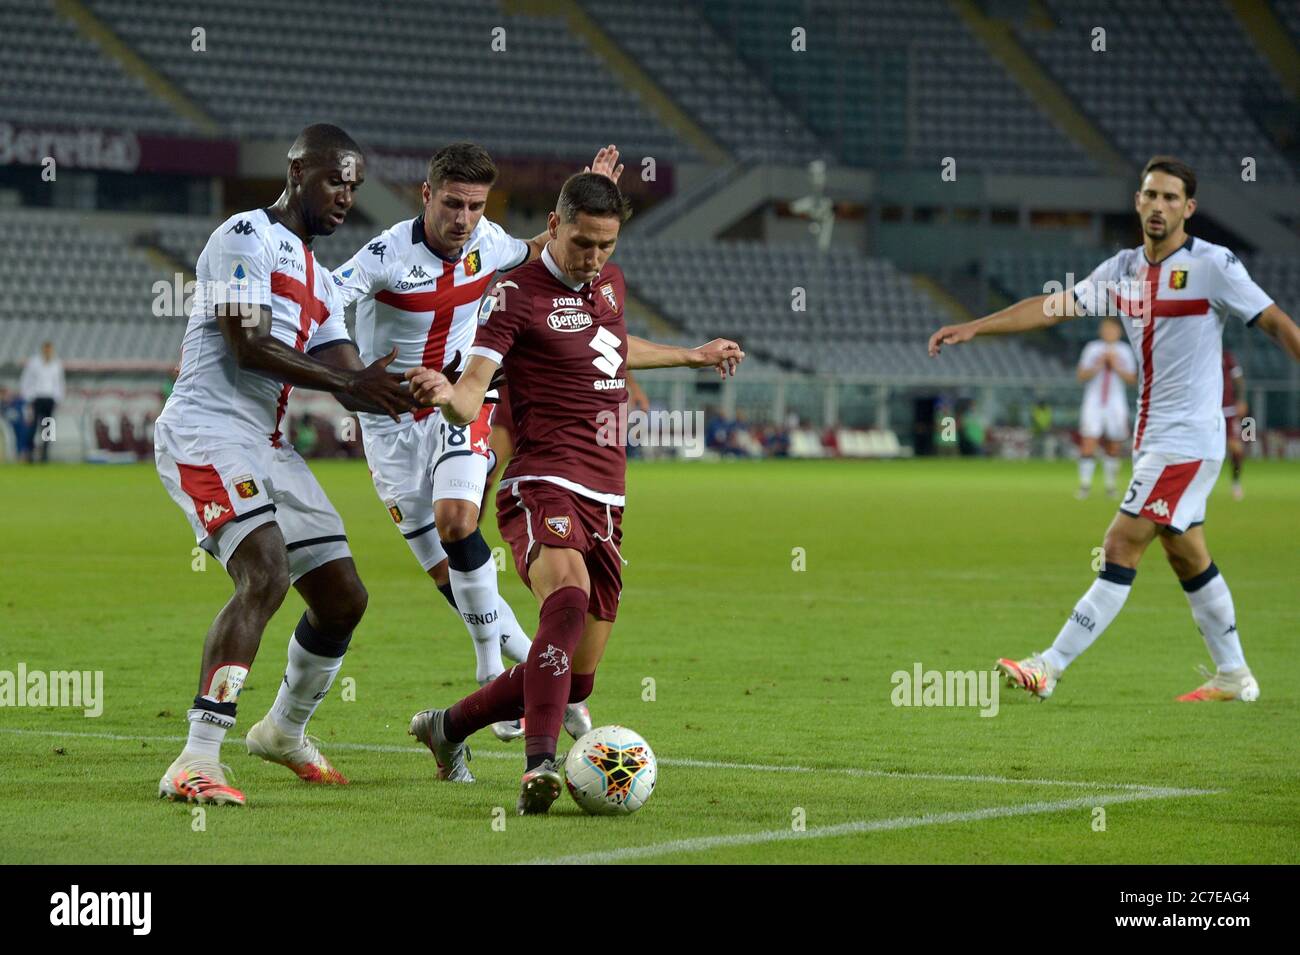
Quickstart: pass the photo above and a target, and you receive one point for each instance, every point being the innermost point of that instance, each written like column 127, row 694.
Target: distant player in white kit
column 1174, row 294
column 417, row 286
column 264, row 319
column 1106, row 366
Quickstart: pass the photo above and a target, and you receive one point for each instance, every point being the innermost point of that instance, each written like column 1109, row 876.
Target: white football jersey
column 410, row 298
column 1173, row 312
column 1106, row 388
column 254, row 260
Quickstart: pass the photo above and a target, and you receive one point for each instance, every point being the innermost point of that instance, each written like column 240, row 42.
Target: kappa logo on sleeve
column 560, row 526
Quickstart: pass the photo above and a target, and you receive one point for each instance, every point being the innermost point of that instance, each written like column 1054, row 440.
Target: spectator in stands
column 42, row 385
column 1043, row 441
column 13, row 414
column 970, row 429
column 716, row 430
column 305, row 437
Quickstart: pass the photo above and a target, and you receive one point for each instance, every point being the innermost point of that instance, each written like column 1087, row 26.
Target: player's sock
column 1092, row 615
column 315, row 659
column 1086, row 468
column 1110, row 471
column 474, row 582
column 1213, row 612
column 514, row 642
column 1237, row 457
column 501, row 699
column 209, row 722
column 548, row 674
column 581, row 687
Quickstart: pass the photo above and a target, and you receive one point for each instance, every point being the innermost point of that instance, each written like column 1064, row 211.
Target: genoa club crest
column 246, row 487
column 473, row 262
column 394, row 511
column 1178, row 278
column 560, row 526
column 610, row 298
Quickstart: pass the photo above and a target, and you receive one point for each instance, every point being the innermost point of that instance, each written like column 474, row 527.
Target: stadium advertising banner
column 115, row 150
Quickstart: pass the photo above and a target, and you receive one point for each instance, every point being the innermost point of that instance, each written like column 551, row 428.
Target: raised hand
column 606, row 163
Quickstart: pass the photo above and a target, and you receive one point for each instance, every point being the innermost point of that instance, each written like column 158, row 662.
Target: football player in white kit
column 1173, row 294
column 1105, row 366
column 264, row 319
column 418, row 286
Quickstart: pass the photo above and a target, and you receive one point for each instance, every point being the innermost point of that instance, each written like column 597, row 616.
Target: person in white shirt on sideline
column 42, row 385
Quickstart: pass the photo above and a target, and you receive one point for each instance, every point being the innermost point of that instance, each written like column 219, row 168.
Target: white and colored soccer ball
column 610, row 771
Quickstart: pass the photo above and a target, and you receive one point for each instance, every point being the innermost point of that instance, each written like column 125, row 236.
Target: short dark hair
column 594, row 194
column 319, row 142
column 1175, row 167
column 461, row 162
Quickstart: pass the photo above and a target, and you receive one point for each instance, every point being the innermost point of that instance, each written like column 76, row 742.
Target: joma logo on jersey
column 568, row 320
column 1159, row 508
column 560, row 526
column 473, row 262
column 1178, row 278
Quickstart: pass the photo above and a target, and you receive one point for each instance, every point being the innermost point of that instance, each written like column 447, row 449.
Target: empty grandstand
column 972, row 151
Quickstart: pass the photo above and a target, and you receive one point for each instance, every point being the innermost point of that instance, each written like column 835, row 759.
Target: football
column 610, row 771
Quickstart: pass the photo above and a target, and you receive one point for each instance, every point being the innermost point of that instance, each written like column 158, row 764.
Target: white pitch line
column 702, row 843
column 417, row 750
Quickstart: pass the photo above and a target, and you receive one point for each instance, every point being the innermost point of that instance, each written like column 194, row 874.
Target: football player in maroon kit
column 556, row 326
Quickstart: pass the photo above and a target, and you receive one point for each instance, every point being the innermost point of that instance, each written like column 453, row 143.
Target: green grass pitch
column 772, row 713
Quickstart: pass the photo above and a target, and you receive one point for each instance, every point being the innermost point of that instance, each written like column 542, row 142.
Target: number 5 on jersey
column 606, row 342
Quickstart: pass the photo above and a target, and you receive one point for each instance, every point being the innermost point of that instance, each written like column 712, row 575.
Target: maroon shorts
column 535, row 513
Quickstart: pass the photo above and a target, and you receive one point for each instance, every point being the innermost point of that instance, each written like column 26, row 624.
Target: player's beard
column 1157, row 230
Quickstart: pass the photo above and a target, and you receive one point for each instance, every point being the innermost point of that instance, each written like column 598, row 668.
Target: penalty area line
column 704, row 843
column 416, row 749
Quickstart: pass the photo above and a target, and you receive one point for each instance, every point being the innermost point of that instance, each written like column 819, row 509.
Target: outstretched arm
column 1277, row 325
column 721, row 353
column 248, row 334
column 1041, row 311
column 460, row 402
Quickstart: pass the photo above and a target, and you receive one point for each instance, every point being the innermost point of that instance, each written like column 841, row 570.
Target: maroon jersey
column 564, row 351
column 1231, row 372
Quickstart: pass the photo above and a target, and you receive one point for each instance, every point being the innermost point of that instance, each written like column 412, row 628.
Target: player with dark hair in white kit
column 1173, row 294
column 264, row 319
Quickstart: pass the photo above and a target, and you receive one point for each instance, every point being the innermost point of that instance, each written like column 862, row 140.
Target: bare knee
column 342, row 611
column 262, row 581
column 456, row 520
